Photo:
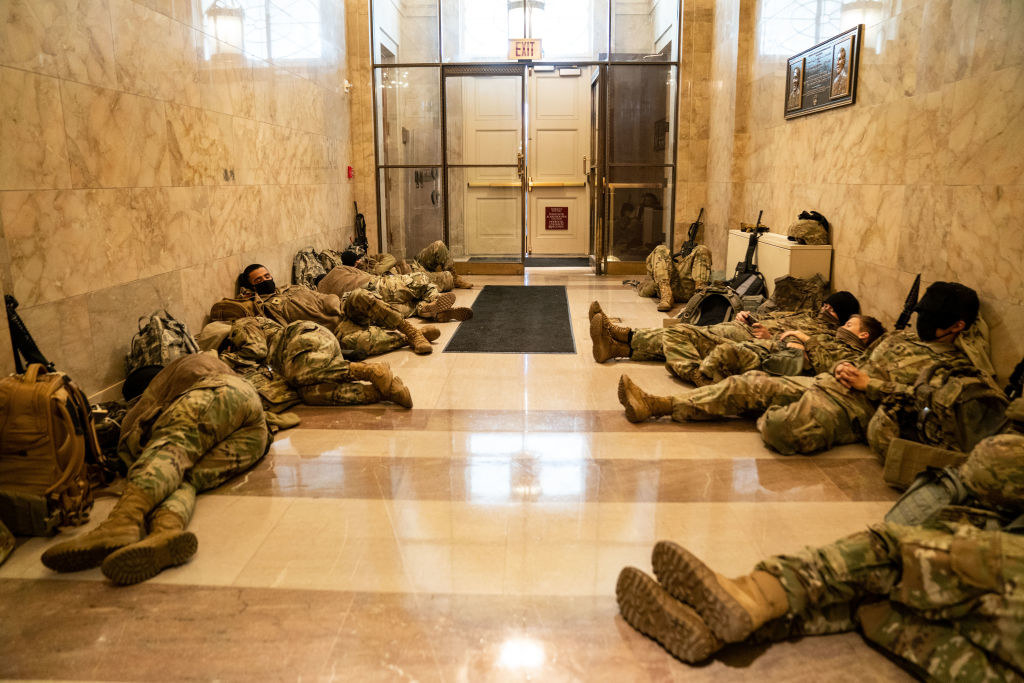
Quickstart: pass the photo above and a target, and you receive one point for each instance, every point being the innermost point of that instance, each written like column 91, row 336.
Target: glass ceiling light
column 225, row 19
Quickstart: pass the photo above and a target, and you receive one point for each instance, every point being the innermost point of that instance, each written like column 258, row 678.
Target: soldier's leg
column 814, row 423
column 696, row 266
column 334, row 394
column 684, row 346
column 647, row 343
column 363, row 309
column 745, row 395
column 443, row 280
column 732, row 330
column 358, row 342
column 435, row 257
column 732, row 358
column 663, row 272
column 310, row 354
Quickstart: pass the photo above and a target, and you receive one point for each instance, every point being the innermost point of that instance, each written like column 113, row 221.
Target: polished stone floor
column 476, row 537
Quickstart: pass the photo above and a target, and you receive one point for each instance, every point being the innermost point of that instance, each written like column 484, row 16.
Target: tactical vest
column 716, row 303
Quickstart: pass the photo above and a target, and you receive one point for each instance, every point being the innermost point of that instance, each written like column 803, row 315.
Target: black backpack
column 716, row 303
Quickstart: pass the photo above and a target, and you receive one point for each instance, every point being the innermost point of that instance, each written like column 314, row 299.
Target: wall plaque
column 556, row 217
column 824, row 76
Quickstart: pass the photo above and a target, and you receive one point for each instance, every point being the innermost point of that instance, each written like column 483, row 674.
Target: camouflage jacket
column 809, row 322
column 895, row 361
column 286, row 305
column 825, row 351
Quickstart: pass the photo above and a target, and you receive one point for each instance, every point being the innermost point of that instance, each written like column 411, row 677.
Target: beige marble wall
column 922, row 174
column 141, row 169
column 357, row 23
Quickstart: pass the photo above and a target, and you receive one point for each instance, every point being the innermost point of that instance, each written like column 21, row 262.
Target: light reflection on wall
column 277, row 30
column 790, row 26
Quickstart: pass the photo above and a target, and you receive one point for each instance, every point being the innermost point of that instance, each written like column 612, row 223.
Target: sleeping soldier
column 682, row 347
column 364, row 325
column 670, row 280
column 196, row 426
column 810, row 414
column 434, row 260
column 412, row 294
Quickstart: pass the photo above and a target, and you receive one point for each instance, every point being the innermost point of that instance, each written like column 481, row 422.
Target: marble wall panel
column 6, row 351
column 200, row 146
column 985, row 135
column 33, row 149
column 65, row 38
column 226, row 86
column 63, row 333
column 982, row 252
column 114, row 139
column 203, row 285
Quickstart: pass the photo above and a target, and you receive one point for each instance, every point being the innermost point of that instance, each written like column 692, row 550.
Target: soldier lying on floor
column 809, row 414
column 942, row 591
column 412, row 294
column 364, row 325
column 682, row 347
column 434, row 260
column 196, row 426
column 671, row 279
column 308, row 358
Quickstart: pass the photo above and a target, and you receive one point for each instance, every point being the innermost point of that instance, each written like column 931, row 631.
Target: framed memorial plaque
column 824, row 76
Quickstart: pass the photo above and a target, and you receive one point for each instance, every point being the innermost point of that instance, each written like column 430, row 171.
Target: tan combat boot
column 125, row 525
column 595, row 308
column 442, row 303
column 458, row 313
column 167, row 545
column 650, row 609
column 415, row 338
column 665, row 298
column 606, row 346
column 733, row 608
column 430, row 332
column 383, row 380
column 460, row 282
column 641, row 406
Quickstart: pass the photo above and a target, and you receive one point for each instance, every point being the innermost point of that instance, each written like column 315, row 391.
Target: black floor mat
column 515, row 319
column 557, row 261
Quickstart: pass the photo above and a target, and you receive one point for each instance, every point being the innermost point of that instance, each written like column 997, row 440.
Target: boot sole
column 141, row 562
column 453, row 314
column 649, row 609
column 631, row 412
column 78, row 559
column 688, row 579
column 441, row 303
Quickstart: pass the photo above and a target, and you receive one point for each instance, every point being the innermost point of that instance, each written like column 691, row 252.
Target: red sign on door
column 556, row 217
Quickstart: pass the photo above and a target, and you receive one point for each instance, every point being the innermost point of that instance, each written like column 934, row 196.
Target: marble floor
column 476, row 537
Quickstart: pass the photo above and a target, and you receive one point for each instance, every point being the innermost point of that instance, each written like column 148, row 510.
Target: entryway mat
column 516, row 319
column 557, row 262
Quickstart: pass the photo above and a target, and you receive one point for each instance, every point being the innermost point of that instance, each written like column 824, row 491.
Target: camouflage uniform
column 822, row 352
column 809, row 414
column 386, row 264
column 683, row 276
column 434, row 258
column 946, row 597
column 405, row 293
column 194, row 440
column 305, row 355
column 682, row 347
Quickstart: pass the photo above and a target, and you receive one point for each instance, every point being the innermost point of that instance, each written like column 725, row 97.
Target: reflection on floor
column 476, row 537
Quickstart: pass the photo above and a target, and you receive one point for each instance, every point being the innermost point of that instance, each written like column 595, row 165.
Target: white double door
column 554, row 164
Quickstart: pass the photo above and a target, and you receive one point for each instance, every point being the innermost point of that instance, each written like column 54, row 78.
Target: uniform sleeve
column 826, row 352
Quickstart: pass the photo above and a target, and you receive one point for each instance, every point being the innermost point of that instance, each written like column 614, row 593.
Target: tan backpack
column 47, row 440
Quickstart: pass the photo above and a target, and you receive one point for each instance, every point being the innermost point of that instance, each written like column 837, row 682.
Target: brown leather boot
column 460, row 282
column 415, row 338
column 458, row 313
column 665, row 298
column 595, row 308
column 430, row 332
column 733, row 608
column 391, row 388
column 123, row 526
column 168, row 545
column 605, row 347
column 442, row 303
column 640, row 405
column 619, row 333
column 650, row 609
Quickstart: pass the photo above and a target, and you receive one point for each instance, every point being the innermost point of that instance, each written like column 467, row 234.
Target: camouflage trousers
column 368, row 328
column 405, row 293
column 682, row 347
column 208, row 435
column 948, row 598
column 683, row 276
column 435, row 257
column 735, row 358
column 797, row 414
column 309, row 358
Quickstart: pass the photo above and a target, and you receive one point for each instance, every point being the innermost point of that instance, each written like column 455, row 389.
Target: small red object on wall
column 556, row 217
column 351, row 172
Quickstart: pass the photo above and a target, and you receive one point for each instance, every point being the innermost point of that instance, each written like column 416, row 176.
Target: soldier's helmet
column 810, row 228
column 994, row 471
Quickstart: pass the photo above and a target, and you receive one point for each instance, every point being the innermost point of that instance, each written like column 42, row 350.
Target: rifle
column 691, row 240
column 24, row 346
column 360, row 240
column 748, row 280
column 909, row 304
column 1015, row 389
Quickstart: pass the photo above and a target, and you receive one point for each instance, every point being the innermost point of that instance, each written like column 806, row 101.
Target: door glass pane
column 643, row 33
column 570, row 29
column 478, row 30
column 641, row 104
column 486, row 214
column 409, row 35
column 485, row 119
column 408, row 115
column 413, row 209
column 640, row 212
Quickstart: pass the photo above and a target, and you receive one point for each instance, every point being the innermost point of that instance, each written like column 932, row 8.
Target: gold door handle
column 533, row 184
column 508, row 184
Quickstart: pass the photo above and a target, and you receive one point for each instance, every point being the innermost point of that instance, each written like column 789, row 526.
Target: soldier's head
column 257, row 278
column 841, row 306
column 349, row 258
column 946, row 310
column 866, row 328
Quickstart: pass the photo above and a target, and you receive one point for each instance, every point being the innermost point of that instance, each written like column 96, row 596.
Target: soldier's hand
column 796, row 334
column 760, row 331
column 851, row 377
column 743, row 317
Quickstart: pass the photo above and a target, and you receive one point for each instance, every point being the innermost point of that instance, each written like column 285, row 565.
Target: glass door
column 485, row 156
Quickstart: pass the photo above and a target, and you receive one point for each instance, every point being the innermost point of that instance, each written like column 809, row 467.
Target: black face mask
column 927, row 325
column 264, row 288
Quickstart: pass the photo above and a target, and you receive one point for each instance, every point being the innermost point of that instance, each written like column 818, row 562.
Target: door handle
column 519, row 164
column 533, row 184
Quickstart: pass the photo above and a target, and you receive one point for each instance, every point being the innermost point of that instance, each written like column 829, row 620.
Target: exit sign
column 524, row 48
